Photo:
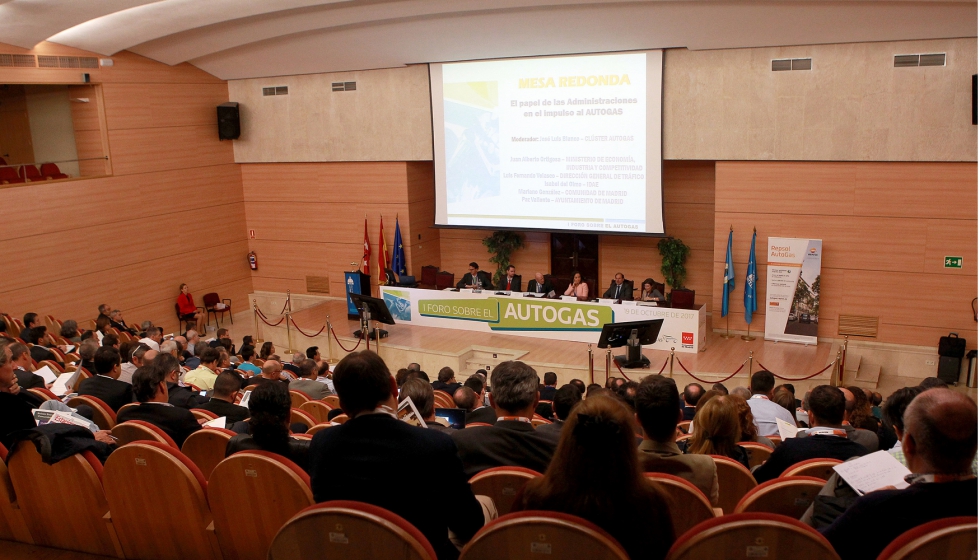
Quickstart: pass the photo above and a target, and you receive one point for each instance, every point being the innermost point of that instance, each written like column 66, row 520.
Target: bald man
column 271, row 371
column 540, row 286
column 939, row 441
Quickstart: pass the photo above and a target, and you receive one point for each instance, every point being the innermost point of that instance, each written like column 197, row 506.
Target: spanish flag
column 382, row 255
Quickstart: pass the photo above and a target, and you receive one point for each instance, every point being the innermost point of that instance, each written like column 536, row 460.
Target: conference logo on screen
column 534, row 315
column 398, row 304
column 687, row 340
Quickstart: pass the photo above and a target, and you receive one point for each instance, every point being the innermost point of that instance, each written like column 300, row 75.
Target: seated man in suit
column 177, row 394
column 826, row 439
column 42, row 341
column 117, row 322
column 619, row 289
column 940, row 441
column 692, row 394
column 21, row 359
column 423, row 397
column 150, row 387
column 564, row 400
column 475, row 279
column 105, row 384
column 541, row 286
column 307, row 382
column 658, row 415
column 550, row 386
column 357, row 460
column 512, row 440
column 474, row 401
column 222, row 400
column 446, row 381
column 511, row 281
column 30, row 321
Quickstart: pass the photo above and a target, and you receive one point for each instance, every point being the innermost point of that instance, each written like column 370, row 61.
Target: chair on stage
column 532, row 535
column 445, row 280
column 502, row 484
column 429, row 276
column 787, row 495
column 741, row 535
column 952, row 537
column 681, row 298
column 211, row 302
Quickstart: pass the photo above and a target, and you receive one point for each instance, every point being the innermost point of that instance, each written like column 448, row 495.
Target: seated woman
column 747, row 422
column 595, row 475
column 189, row 311
column 268, row 426
column 650, row 293
column 577, row 288
column 718, row 431
column 267, row 350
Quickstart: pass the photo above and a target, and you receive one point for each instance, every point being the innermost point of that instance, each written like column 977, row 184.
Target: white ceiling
column 254, row 38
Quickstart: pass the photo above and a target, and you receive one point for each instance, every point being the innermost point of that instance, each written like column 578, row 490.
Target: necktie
column 540, row 288
column 508, row 284
column 617, row 291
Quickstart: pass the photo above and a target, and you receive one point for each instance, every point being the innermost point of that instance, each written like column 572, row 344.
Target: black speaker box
column 229, row 127
column 949, row 369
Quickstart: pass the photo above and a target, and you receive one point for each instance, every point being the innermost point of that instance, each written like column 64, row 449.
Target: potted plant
column 674, row 253
column 501, row 245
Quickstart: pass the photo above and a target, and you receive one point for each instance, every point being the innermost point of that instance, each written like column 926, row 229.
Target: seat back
column 205, row 415
column 138, row 430
column 354, row 531
column 757, row 452
column 820, row 468
column 443, row 400
column 211, row 299
column 9, row 175
column 12, row 524
column 550, row 535
column 152, row 485
column 43, row 394
column 681, row 298
column 317, row 409
column 688, row 504
column 271, row 488
column 206, row 448
column 502, row 484
column 298, row 398
column 297, row 416
column 63, row 504
column 751, row 535
column 685, row 426
column 734, row 481
column 102, row 414
column 429, row 274
column 333, row 401
column 50, row 169
column 952, row 537
column 340, row 419
column 787, row 495
column 445, row 280
column 321, row 426
column 29, row 172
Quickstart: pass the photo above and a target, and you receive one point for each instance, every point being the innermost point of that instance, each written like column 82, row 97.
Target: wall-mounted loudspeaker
column 974, row 99
column 229, row 128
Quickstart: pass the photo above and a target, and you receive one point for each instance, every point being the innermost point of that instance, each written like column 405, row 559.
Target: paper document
column 216, row 423
column 408, row 413
column 786, row 430
column 64, row 383
column 47, row 374
column 245, row 397
column 874, row 471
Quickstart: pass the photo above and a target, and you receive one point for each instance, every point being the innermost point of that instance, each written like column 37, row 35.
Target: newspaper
column 408, row 413
column 43, row 417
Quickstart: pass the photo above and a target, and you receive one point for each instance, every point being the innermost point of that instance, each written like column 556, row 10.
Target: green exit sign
column 953, row 262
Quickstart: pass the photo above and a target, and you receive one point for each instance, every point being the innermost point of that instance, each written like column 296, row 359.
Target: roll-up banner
column 793, row 289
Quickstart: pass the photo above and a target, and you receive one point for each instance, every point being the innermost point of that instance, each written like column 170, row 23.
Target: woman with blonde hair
column 747, row 422
column 719, row 431
column 595, row 475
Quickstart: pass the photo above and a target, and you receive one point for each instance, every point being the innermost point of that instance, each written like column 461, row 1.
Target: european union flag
column 398, row 255
column 728, row 280
column 750, row 282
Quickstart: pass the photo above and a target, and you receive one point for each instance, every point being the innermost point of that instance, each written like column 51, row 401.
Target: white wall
column 52, row 132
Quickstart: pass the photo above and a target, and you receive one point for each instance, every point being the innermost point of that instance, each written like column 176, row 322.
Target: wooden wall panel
column 163, row 105
column 322, row 182
column 143, row 150
column 914, row 190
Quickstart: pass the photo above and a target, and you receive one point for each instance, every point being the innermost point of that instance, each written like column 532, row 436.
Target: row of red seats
column 29, row 173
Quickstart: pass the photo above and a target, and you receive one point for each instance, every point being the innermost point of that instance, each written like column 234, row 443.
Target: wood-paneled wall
column 172, row 211
column 886, row 228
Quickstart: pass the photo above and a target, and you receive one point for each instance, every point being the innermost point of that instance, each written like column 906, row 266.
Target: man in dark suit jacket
column 222, row 400
column 355, row 461
column 539, row 285
column 826, row 439
column 105, row 385
column 475, row 279
column 21, row 360
column 512, row 440
column 510, row 282
column 620, row 289
column 565, row 398
column 150, row 387
column 550, row 386
column 42, row 340
column 692, row 394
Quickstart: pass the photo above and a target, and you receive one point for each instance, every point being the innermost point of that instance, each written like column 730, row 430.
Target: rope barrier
column 717, row 381
column 341, row 345
column 284, row 306
column 303, row 333
column 830, row 365
column 667, row 361
column 276, row 324
column 621, row 372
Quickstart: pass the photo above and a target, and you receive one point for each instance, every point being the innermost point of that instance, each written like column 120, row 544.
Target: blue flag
column 750, row 282
column 728, row 280
column 398, row 255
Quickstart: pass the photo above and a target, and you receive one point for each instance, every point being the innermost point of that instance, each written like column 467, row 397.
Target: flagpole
column 748, row 333
column 728, row 333
column 750, row 274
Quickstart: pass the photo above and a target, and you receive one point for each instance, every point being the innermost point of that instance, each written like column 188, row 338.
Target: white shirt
column 127, row 371
column 765, row 413
column 151, row 343
column 326, row 381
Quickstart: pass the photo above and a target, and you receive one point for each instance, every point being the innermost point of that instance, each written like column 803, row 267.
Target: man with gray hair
column 306, row 381
column 141, row 355
column 939, row 441
column 742, row 392
column 512, row 440
column 293, row 368
column 192, row 339
column 117, row 322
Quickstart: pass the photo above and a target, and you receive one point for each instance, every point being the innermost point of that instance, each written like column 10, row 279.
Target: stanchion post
column 670, row 372
column 833, row 375
column 289, row 301
column 609, row 359
column 377, row 338
column 329, row 340
column 591, row 367
column 255, row 316
column 751, row 358
column 289, row 335
column 843, row 364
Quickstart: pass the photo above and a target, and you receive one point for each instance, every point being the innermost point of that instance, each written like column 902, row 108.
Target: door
column 574, row 252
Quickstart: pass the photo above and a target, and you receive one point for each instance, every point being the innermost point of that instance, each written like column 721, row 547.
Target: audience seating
column 63, row 504
column 443, row 400
column 757, row 452
column 12, row 524
column 51, row 171
column 333, row 401
column 159, row 505
column 820, row 468
column 751, row 535
column 52, row 364
column 321, row 426
column 205, row 415
column 206, row 448
column 734, row 481
column 682, row 437
column 339, row 419
column 533, row 535
column 30, row 173
column 688, row 505
column 952, row 537
column 349, row 530
column 43, row 394
column 298, row 398
column 9, row 175
column 317, row 409
column 775, row 440
column 138, row 430
column 102, row 413
column 301, row 436
column 786, row 495
column 538, row 420
column 477, row 424
column 502, row 485
column 125, row 406
column 211, row 300
column 271, row 488
column 297, row 416
column 684, row 426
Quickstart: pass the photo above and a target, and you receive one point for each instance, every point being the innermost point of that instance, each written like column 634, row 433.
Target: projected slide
column 548, row 143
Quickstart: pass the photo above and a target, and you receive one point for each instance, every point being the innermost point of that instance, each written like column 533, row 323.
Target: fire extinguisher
column 253, row 261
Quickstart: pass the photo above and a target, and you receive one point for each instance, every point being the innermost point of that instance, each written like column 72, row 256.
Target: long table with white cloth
column 520, row 314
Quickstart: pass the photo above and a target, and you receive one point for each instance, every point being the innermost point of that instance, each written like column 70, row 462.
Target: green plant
column 674, row 253
column 501, row 245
